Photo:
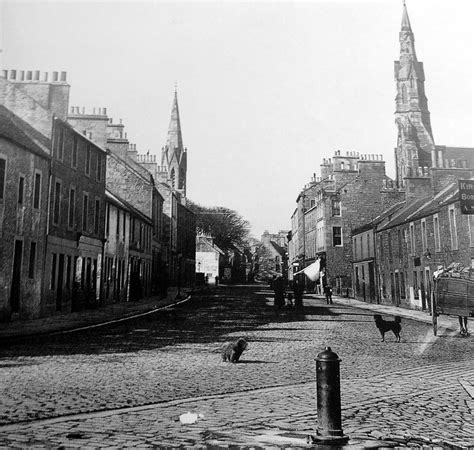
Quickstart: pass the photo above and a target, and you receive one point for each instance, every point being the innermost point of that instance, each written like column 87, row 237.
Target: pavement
column 70, row 322
column 75, row 321
column 445, row 322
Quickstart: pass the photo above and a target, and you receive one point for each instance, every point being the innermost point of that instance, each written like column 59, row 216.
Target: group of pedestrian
column 293, row 297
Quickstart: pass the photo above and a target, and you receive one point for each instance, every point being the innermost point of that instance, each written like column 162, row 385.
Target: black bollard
column 328, row 386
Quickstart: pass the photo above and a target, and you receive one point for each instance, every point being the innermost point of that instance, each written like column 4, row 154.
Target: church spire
column 175, row 139
column 174, row 155
column 415, row 138
column 405, row 19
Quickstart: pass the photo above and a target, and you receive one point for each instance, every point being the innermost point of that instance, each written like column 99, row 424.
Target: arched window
column 404, row 94
column 172, row 176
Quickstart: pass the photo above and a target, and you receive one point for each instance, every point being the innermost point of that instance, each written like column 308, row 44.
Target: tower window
column 404, row 94
column 172, row 176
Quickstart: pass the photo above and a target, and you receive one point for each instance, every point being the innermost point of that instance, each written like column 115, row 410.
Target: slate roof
column 125, row 205
column 385, row 215
column 424, row 207
column 18, row 131
column 279, row 249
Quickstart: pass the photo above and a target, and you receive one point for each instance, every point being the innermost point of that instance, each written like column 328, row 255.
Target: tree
column 226, row 226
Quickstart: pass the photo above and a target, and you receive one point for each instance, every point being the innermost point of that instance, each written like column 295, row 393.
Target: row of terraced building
column 380, row 239
column 85, row 220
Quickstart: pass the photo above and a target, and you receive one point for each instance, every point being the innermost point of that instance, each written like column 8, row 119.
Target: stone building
column 208, row 256
column 396, row 254
column 133, row 185
column 116, row 250
column 349, row 193
column 271, row 256
column 77, row 221
column 76, row 184
column 24, row 173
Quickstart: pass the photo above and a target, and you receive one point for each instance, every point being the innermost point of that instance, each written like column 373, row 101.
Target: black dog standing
column 388, row 325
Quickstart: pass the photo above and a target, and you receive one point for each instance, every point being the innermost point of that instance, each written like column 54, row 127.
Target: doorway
column 16, row 277
column 59, row 291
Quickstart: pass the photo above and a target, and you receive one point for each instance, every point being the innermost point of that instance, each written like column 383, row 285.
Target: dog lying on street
column 388, row 325
column 233, row 350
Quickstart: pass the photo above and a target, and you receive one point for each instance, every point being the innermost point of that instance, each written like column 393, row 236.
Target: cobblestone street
column 126, row 385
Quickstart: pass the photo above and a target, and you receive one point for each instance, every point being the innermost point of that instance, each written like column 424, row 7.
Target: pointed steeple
column 415, row 138
column 405, row 19
column 175, row 139
column 174, row 155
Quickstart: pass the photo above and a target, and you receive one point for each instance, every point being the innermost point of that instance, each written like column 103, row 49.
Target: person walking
column 298, row 289
column 279, row 292
column 328, row 294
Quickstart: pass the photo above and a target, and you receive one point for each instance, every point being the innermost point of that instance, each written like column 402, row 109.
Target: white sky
column 265, row 89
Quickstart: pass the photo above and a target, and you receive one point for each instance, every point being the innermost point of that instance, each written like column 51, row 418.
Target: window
column 312, row 203
column 3, row 166
column 436, row 233
column 31, row 266
column 123, row 227
column 402, row 285
column 412, row 238
column 357, row 280
column 389, row 238
column 117, row 228
column 172, row 176
column 400, row 246
column 68, row 271
column 99, row 167
column 404, row 94
column 37, row 191
column 415, row 285
column 470, row 219
column 424, row 237
column 453, row 228
column 74, row 152
column 88, row 160
column 336, row 207
column 381, row 246
column 336, row 236
column 107, row 220
column 53, row 272
column 72, row 207
column 85, row 211
column 61, row 144
column 57, row 202
column 21, row 189
column 97, row 216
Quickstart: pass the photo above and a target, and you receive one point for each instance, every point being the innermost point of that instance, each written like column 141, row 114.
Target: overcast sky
column 265, row 89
